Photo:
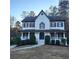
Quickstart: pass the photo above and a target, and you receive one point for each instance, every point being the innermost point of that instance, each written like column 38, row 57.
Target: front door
column 41, row 38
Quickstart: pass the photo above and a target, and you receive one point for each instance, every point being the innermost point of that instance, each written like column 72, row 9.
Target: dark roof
column 51, row 18
column 56, row 18
column 29, row 19
column 51, row 30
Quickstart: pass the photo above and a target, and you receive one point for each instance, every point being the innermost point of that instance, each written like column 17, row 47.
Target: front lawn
column 42, row 52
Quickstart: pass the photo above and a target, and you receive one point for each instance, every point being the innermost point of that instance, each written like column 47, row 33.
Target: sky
column 17, row 6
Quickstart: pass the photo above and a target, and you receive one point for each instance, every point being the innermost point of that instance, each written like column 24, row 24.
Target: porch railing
column 57, row 38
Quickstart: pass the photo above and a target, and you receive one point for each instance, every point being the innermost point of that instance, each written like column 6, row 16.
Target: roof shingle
column 51, row 18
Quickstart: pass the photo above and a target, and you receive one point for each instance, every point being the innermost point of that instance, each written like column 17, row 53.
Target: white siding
column 44, row 19
column 47, row 25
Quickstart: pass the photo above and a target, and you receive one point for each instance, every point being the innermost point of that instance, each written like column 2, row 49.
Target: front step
column 41, row 42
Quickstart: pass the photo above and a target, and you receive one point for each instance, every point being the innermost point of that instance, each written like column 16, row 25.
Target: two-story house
column 42, row 25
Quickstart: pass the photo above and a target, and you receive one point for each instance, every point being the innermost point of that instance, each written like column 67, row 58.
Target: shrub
column 12, row 41
column 28, row 42
column 25, row 42
column 53, row 42
column 17, row 40
column 57, row 42
column 32, row 39
column 63, row 41
column 47, row 39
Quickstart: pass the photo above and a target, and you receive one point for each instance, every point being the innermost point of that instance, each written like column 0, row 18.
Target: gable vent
column 41, row 13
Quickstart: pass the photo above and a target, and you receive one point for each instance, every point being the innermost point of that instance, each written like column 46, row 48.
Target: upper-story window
column 29, row 24
column 24, row 25
column 42, row 25
column 60, row 24
column 32, row 24
column 53, row 24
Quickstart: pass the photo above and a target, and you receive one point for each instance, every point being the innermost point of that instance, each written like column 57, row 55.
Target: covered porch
column 26, row 35
column 57, row 35
column 54, row 35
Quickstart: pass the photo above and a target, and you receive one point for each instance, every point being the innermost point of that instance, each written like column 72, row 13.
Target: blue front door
column 41, row 36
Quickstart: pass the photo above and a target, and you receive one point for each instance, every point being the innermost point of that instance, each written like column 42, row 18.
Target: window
column 52, row 35
column 60, row 34
column 60, row 24
column 53, row 24
column 27, row 24
column 32, row 24
column 32, row 33
column 23, row 24
column 42, row 25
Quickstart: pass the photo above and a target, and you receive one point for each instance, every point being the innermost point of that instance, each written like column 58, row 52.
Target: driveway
column 41, row 52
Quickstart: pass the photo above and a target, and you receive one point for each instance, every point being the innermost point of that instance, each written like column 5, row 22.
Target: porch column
column 37, row 36
column 55, row 35
column 64, row 35
column 22, row 36
column 28, row 35
column 65, row 38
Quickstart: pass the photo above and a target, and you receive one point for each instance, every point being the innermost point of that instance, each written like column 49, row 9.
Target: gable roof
column 43, row 13
column 51, row 18
column 29, row 19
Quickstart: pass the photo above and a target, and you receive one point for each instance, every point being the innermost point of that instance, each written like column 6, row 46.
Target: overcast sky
column 17, row 6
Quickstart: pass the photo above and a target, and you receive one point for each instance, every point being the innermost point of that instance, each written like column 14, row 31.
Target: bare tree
column 47, row 12
column 17, row 25
column 12, row 19
column 28, row 14
column 53, row 10
column 24, row 14
column 64, row 8
column 32, row 13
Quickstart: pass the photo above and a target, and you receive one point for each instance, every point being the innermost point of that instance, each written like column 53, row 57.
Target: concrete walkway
column 33, row 46
column 13, row 46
